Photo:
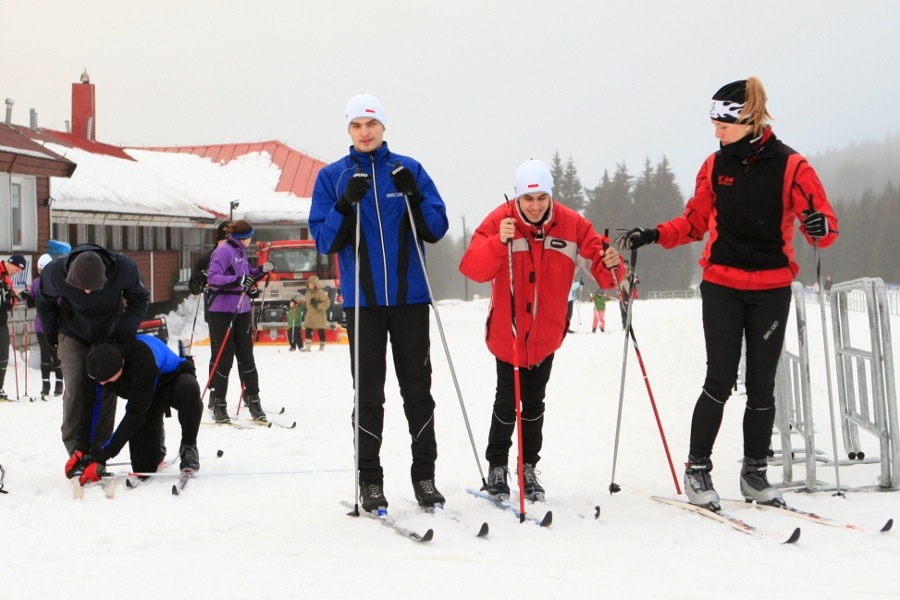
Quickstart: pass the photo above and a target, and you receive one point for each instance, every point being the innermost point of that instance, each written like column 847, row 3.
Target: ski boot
column 497, row 486
column 427, row 494
column 372, row 496
column 755, row 487
column 256, row 412
column 534, row 491
column 698, row 484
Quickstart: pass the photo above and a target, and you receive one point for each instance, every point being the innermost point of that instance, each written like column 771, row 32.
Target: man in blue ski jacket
column 389, row 194
column 153, row 379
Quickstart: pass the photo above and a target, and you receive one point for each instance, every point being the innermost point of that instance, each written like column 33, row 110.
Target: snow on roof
column 176, row 185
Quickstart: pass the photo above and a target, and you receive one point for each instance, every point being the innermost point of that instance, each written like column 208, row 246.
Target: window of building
column 18, row 212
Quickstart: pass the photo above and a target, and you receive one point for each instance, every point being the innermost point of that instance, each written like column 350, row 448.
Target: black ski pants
column 533, row 388
column 729, row 317
column 407, row 328
column 239, row 344
column 147, row 445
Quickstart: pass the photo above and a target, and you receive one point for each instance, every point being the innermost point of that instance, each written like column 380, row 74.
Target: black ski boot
column 220, row 410
column 190, row 457
column 427, row 494
column 372, row 496
column 496, row 483
column 534, row 491
column 698, row 484
column 45, row 389
column 755, row 485
column 256, row 411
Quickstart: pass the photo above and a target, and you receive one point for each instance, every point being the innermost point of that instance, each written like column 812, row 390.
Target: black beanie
column 87, row 271
column 103, row 361
column 728, row 102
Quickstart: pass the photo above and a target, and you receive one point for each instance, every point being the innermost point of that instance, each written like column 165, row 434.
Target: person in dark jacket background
column 748, row 196
column 231, row 279
column 153, row 379
column 380, row 189
column 90, row 296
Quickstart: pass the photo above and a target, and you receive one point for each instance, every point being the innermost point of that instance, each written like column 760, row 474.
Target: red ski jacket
column 544, row 262
column 749, row 208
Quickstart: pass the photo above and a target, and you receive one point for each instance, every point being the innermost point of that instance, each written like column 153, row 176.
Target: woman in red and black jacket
column 747, row 197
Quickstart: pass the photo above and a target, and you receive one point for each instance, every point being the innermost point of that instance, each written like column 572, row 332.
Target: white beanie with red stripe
column 533, row 177
column 365, row 105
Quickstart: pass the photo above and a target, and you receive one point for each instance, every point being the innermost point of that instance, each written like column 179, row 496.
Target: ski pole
column 194, row 325
column 15, row 359
column 440, row 326
column 25, row 351
column 358, row 301
column 821, row 295
column 637, row 351
column 212, row 372
column 516, row 376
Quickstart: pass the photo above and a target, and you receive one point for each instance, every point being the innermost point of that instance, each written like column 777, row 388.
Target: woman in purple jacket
column 232, row 283
column 49, row 359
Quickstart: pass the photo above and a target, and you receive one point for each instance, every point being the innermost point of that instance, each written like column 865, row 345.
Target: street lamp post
column 231, row 206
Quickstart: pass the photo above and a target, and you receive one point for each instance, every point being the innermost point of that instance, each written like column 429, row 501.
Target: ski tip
column 428, row 536
column 281, row 412
column 597, row 512
column 547, row 520
column 174, row 490
column 293, row 425
column 269, row 425
column 794, row 537
column 483, row 532
column 219, row 453
column 887, row 526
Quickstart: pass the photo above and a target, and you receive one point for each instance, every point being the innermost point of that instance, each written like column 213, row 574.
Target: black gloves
column 815, row 224
column 406, row 184
column 253, row 293
column 404, row 181
column 246, row 282
column 356, row 190
column 315, row 302
column 633, row 239
column 122, row 337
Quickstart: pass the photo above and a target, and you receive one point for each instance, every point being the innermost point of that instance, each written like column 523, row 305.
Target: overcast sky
column 471, row 88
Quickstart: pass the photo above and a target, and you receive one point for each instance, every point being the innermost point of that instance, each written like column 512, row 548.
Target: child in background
column 599, row 300
column 294, row 321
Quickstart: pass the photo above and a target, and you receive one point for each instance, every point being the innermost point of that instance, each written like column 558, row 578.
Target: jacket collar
column 380, row 155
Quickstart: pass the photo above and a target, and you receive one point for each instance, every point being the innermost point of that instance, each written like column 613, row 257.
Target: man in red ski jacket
column 547, row 241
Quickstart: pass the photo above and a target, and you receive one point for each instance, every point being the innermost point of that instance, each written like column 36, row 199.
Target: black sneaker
column 427, row 494
column 58, row 389
column 256, row 411
column 496, row 483
column 534, row 491
column 755, row 486
column 372, row 496
column 190, row 458
column 220, row 411
column 698, row 484
column 45, row 388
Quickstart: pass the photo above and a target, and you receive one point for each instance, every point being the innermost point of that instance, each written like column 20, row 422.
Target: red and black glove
column 75, row 465
column 93, row 472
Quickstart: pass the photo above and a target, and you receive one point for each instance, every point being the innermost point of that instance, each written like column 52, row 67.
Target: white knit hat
column 43, row 260
column 533, row 177
column 365, row 105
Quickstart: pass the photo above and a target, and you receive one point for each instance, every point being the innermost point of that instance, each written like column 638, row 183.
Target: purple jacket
column 33, row 291
column 227, row 265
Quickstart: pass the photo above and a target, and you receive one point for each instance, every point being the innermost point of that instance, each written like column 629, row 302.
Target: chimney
column 84, row 110
column 9, row 105
column 32, row 114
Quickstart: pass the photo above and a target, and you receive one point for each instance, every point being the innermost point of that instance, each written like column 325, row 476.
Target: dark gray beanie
column 87, row 271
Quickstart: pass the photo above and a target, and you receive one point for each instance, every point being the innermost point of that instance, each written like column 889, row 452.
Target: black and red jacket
column 748, row 205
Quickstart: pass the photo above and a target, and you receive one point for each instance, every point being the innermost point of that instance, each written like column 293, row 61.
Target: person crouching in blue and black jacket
column 153, row 379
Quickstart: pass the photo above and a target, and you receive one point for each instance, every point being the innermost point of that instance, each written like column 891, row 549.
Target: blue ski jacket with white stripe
column 390, row 271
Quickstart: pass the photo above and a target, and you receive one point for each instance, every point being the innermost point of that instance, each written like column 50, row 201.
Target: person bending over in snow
column 153, row 379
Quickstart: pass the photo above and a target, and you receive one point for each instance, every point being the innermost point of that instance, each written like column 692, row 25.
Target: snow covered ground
column 282, row 532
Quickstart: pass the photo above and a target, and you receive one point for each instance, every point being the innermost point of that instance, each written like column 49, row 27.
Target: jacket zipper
column 387, row 298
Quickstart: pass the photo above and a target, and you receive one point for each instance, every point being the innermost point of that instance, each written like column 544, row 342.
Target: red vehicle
column 295, row 261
